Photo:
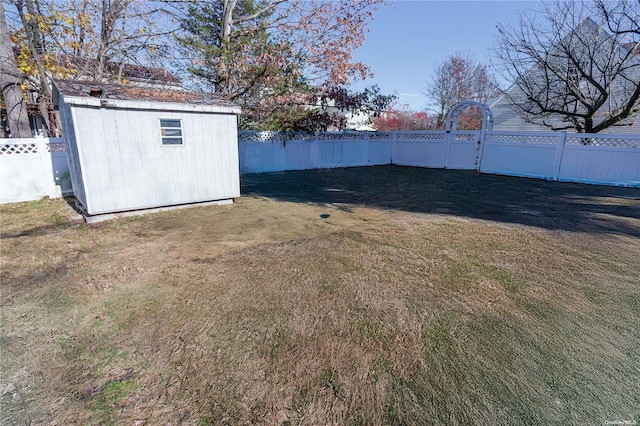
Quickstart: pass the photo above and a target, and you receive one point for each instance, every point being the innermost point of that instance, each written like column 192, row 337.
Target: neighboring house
column 359, row 121
column 132, row 148
column 508, row 117
column 133, row 74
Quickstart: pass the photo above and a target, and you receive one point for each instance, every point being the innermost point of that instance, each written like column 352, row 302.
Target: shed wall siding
column 73, row 156
column 126, row 167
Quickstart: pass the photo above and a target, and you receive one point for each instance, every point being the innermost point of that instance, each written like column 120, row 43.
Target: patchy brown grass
column 265, row 312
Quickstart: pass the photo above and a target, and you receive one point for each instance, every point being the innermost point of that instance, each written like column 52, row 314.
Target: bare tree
column 85, row 38
column 575, row 65
column 622, row 17
column 10, row 78
column 459, row 77
column 120, row 32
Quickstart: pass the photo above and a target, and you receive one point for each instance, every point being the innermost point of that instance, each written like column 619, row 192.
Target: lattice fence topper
column 548, row 139
column 471, row 136
column 296, row 136
column 56, row 147
column 421, row 136
column 18, row 148
column 543, row 140
column 347, row 136
column 592, row 140
column 255, row 136
column 380, row 136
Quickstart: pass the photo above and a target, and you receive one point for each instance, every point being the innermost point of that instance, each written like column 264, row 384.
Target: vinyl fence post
column 46, row 166
column 394, row 137
column 448, row 137
column 367, row 142
column 558, row 158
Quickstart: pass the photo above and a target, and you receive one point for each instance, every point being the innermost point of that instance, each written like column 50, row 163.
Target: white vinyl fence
column 435, row 149
column 575, row 157
column 33, row 168
column 572, row 157
column 261, row 152
column 272, row 151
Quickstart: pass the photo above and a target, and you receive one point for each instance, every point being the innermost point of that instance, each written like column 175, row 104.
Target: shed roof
column 95, row 93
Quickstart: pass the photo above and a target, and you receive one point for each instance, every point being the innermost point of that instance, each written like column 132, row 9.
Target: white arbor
column 487, row 124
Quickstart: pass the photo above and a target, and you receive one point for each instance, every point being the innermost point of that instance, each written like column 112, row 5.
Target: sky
column 408, row 38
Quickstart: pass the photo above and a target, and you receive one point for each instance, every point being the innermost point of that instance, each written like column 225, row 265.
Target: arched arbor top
column 456, row 110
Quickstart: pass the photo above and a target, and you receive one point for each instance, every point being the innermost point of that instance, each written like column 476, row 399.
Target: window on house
column 171, row 131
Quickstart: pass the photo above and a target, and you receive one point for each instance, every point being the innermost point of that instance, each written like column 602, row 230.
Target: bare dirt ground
column 381, row 295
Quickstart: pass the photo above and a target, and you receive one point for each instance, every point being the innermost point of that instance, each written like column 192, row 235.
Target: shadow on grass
column 56, row 221
column 532, row 202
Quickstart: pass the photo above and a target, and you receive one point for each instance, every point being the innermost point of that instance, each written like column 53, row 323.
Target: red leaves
column 403, row 119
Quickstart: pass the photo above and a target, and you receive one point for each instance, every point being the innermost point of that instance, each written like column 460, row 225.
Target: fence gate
column 463, row 148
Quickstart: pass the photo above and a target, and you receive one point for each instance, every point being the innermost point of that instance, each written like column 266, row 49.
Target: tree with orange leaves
column 274, row 56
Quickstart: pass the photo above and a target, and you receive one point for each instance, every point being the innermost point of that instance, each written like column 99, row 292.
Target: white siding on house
column 626, row 129
column 506, row 118
column 601, row 55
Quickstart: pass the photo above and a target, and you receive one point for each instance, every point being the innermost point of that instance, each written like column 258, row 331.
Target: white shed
column 132, row 148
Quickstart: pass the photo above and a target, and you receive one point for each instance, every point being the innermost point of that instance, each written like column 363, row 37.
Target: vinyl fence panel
column 33, row 168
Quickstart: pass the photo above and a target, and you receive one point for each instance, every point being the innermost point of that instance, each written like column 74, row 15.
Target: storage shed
column 132, row 148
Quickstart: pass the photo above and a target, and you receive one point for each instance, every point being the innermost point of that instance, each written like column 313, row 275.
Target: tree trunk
column 588, row 125
column 31, row 24
column 10, row 83
column 227, row 20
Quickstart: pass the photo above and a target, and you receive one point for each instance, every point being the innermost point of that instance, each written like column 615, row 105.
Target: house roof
column 144, row 73
column 95, row 93
column 132, row 72
column 80, row 66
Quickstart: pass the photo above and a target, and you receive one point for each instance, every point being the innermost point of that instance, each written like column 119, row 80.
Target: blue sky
column 407, row 38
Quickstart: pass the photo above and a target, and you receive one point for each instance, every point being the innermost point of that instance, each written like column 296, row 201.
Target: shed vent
column 95, row 92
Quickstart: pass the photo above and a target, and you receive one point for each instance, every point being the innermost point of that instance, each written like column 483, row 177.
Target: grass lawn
column 381, row 295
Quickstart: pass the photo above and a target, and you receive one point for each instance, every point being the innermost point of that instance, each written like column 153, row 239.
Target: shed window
column 171, row 131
